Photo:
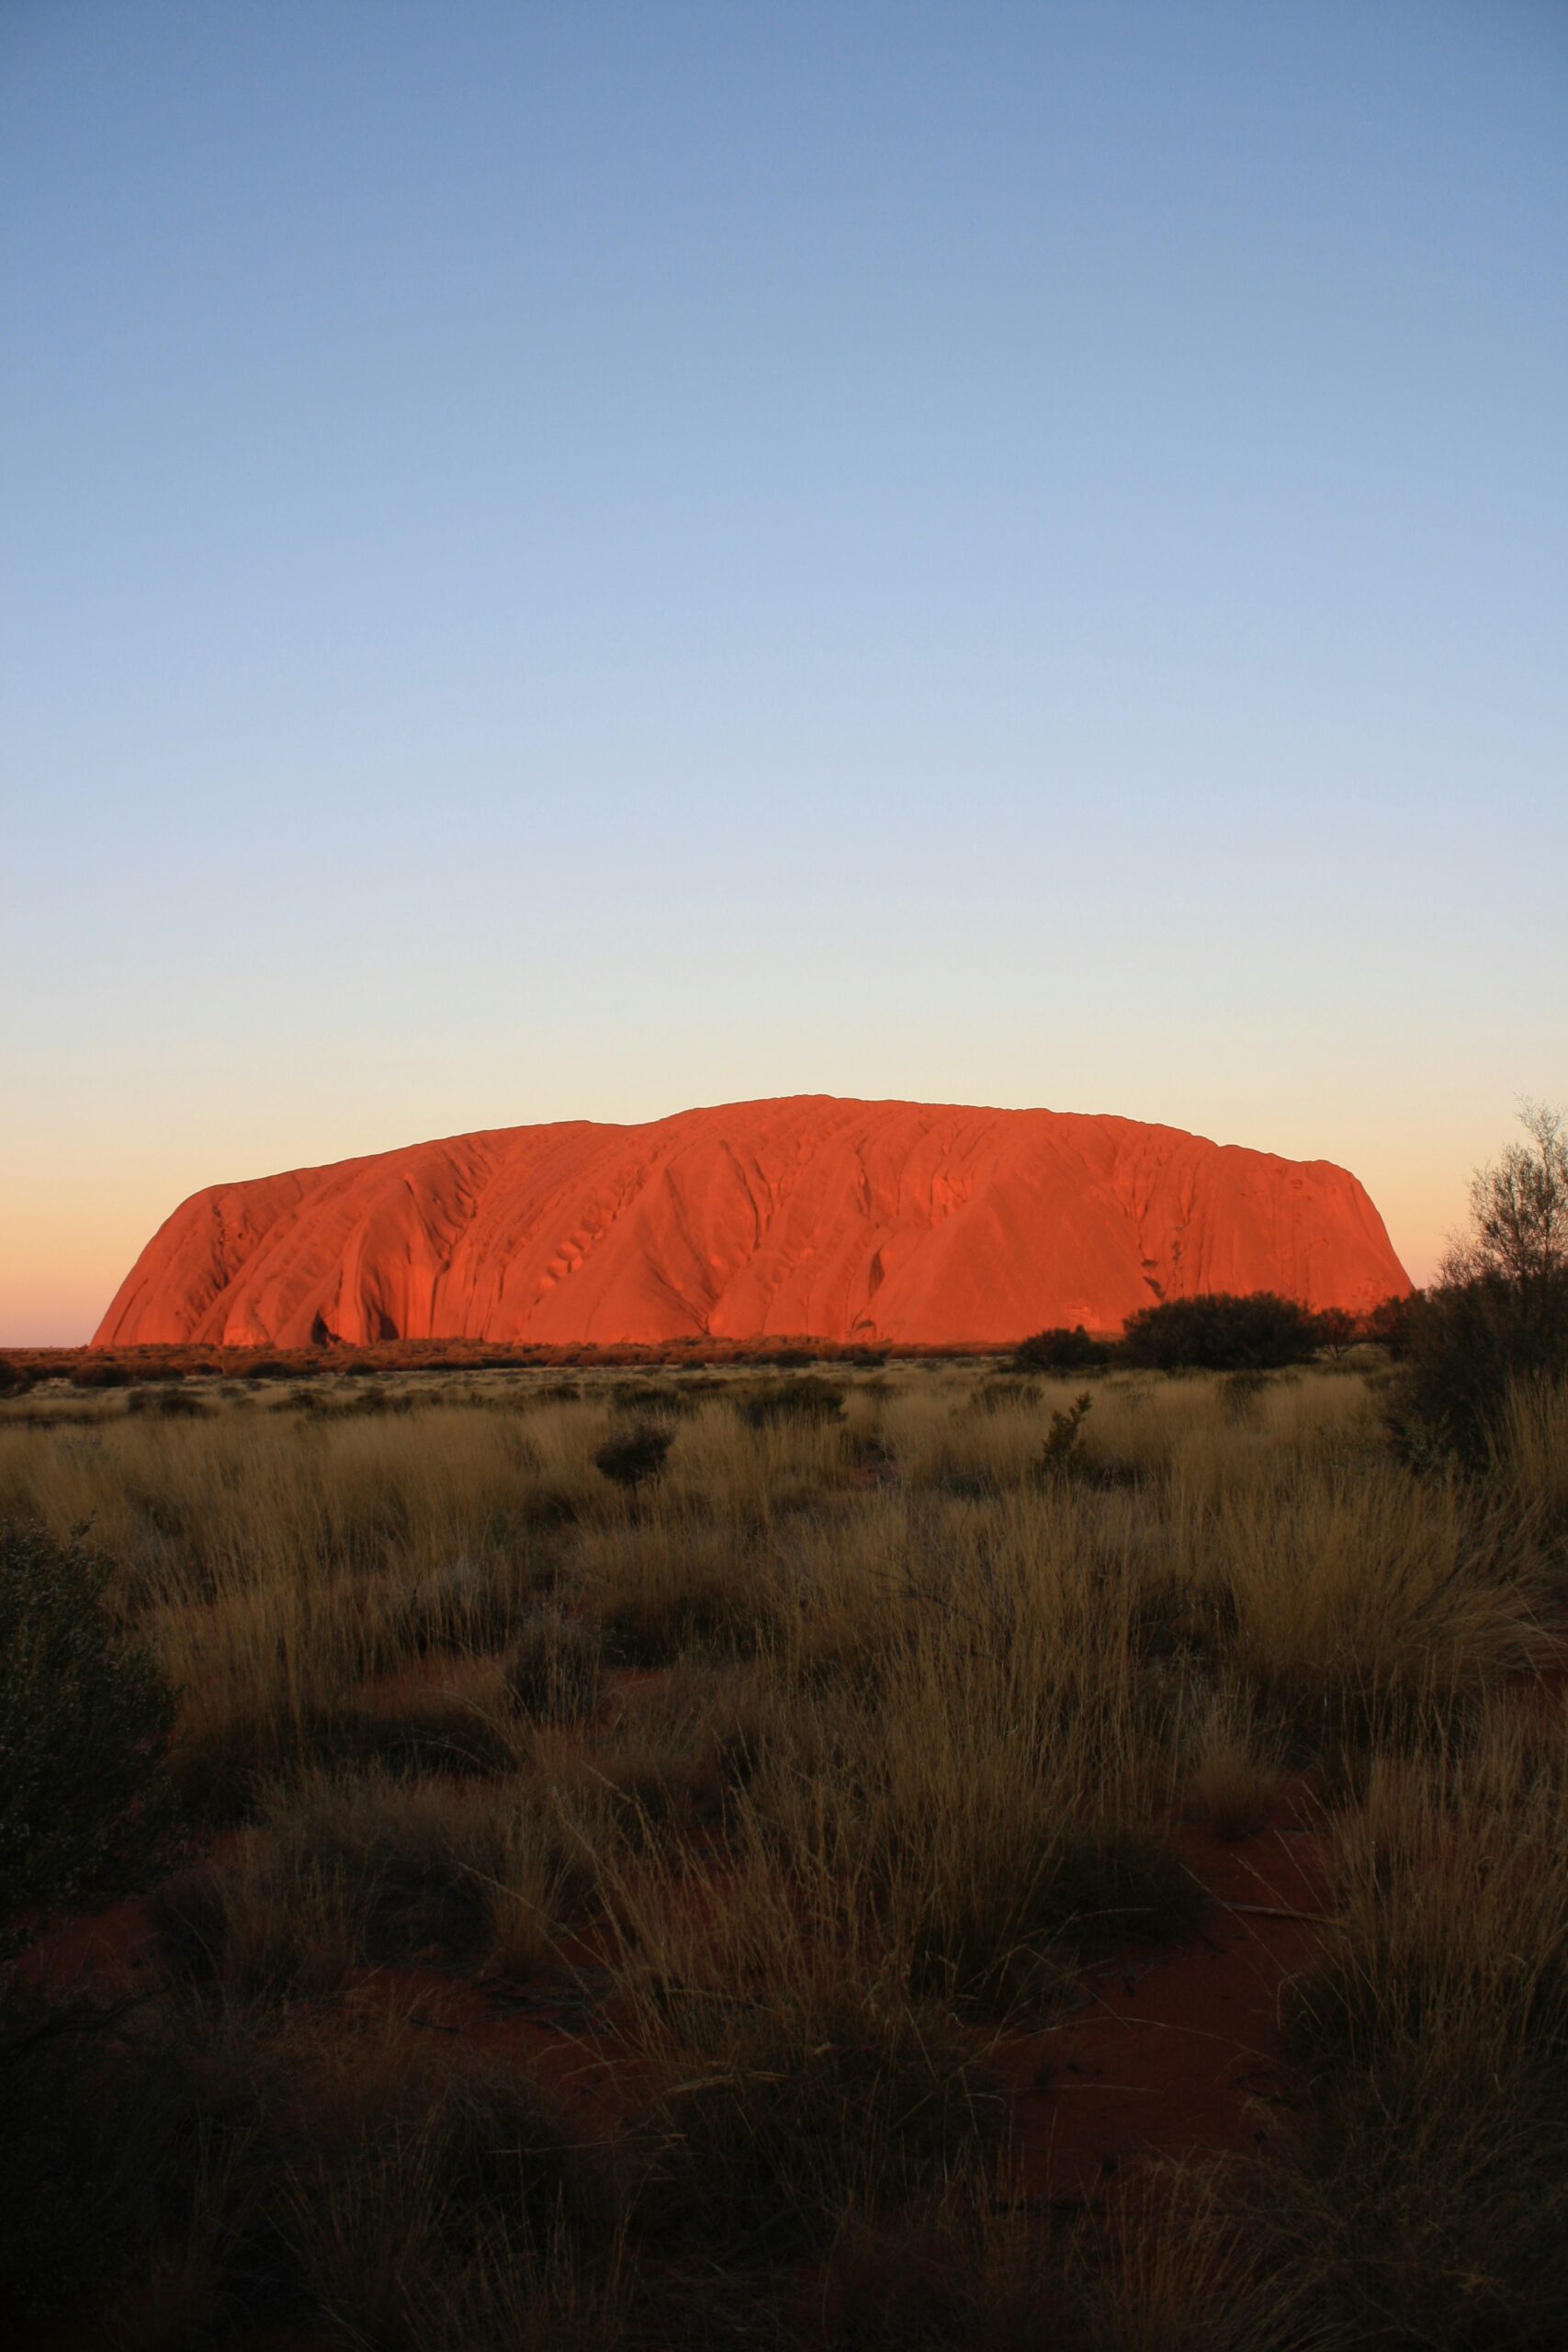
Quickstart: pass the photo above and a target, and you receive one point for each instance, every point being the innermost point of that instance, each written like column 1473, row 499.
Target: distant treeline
column 1262, row 1321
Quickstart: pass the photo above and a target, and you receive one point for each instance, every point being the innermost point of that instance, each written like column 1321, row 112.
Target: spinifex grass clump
column 220, row 1772
column 353, row 1872
column 555, row 1665
column 1434, row 2039
column 673, row 1581
column 1004, row 1793
column 1356, row 1604
column 790, row 2111
column 451, row 2204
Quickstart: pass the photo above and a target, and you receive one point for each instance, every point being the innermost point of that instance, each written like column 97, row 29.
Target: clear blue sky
column 578, row 560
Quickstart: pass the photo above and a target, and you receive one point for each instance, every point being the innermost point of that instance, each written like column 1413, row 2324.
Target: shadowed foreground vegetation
column 633, row 1825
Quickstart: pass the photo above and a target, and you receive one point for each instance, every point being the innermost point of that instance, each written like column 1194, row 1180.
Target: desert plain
column 897, row 1851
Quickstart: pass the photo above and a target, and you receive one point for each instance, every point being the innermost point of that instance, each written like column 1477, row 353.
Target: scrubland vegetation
column 636, row 1862
column 760, row 1808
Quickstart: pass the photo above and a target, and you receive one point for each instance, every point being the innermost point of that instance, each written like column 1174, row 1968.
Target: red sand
column 1175, row 2052
column 902, row 1222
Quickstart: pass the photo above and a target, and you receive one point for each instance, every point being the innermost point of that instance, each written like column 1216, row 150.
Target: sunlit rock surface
column 808, row 1215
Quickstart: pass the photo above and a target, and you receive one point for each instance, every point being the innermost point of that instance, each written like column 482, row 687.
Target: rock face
column 808, row 1215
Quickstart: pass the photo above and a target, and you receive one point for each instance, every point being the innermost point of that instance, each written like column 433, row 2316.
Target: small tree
column 1393, row 1320
column 1498, row 1314
column 1518, row 1211
column 1336, row 1329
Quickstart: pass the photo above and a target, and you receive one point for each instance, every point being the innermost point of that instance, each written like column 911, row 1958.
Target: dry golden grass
column 1533, row 1459
column 1233, row 1778
column 838, row 1745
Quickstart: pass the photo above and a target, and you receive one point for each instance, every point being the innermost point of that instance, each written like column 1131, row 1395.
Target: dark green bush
column 1470, row 1344
column 84, row 1722
column 1391, row 1324
column 1060, row 1350
column 1498, row 1318
column 1216, row 1331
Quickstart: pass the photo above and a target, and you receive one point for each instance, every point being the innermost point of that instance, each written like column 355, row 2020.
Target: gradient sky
column 571, row 560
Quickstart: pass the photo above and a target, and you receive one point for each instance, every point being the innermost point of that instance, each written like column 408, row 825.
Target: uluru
column 806, row 1216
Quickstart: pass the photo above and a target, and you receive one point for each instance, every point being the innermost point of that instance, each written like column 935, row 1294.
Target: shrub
column 1063, row 1454
column 1060, row 1350
column 1216, row 1331
column 166, row 1404
column 811, row 1398
column 632, row 1457
column 84, row 1721
column 1498, row 1318
column 96, row 1374
column 14, row 1377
